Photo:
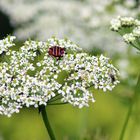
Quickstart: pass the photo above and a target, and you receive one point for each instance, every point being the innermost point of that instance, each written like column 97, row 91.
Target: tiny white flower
column 38, row 64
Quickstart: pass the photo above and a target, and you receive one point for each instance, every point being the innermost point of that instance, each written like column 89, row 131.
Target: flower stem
column 126, row 121
column 135, row 46
column 46, row 122
column 137, row 90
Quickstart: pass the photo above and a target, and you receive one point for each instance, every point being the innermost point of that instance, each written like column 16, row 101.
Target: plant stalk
column 46, row 122
column 137, row 90
column 126, row 121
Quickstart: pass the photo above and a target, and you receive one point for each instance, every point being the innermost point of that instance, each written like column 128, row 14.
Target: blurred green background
column 87, row 23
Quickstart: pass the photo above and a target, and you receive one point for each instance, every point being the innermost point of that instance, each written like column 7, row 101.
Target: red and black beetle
column 56, row 51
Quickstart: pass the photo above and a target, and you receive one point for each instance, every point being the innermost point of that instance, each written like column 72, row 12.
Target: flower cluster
column 120, row 22
column 31, row 77
column 129, row 28
column 6, row 43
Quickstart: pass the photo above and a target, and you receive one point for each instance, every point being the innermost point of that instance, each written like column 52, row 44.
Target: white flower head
column 136, row 31
column 39, row 72
column 129, row 38
column 129, row 29
column 115, row 24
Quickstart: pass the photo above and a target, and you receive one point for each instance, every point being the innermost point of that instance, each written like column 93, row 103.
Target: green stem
column 46, row 122
column 135, row 46
column 126, row 121
column 130, row 109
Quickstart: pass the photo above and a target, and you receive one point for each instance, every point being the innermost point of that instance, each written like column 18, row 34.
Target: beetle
column 56, row 51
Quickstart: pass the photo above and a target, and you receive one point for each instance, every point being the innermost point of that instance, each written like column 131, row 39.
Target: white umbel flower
column 34, row 76
column 129, row 29
column 115, row 24
column 136, row 31
column 129, row 38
